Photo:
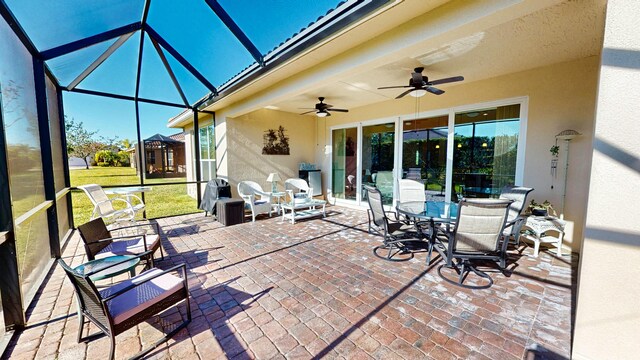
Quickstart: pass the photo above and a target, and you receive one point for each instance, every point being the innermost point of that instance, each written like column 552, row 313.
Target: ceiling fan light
column 418, row 92
column 321, row 113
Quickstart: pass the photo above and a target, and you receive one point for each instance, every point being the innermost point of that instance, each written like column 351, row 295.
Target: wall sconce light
column 437, row 146
column 459, row 146
column 484, row 144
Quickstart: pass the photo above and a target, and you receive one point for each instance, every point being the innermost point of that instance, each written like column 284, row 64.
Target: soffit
column 563, row 32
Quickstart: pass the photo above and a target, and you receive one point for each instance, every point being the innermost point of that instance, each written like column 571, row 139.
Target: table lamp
column 273, row 179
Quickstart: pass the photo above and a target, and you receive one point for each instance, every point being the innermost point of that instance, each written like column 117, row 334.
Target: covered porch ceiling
column 477, row 41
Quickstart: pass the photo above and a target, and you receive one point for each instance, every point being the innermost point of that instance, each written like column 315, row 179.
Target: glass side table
column 97, row 264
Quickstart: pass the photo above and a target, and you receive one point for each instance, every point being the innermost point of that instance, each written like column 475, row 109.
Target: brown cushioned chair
column 122, row 306
column 100, row 243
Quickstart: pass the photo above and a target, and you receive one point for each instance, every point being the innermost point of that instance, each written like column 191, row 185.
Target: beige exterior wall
column 607, row 322
column 242, row 149
column 560, row 97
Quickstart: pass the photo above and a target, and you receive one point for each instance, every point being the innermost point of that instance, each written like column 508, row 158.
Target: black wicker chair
column 120, row 307
column 515, row 220
column 399, row 238
column 99, row 241
column 475, row 236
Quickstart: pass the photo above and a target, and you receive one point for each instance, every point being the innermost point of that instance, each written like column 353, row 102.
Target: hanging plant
column 555, row 149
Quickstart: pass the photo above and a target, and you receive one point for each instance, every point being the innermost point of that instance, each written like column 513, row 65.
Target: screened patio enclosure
column 61, row 60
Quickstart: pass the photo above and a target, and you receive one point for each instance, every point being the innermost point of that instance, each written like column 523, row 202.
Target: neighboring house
column 164, row 156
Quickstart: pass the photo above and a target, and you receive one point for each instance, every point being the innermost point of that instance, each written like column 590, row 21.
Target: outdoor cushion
column 133, row 246
column 142, row 297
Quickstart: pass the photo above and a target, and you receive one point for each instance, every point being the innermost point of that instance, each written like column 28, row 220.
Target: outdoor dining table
column 429, row 212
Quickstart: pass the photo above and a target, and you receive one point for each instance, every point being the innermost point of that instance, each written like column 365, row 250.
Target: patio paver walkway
column 274, row 290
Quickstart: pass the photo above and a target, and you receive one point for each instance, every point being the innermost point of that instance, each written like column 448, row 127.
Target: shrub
column 123, row 158
column 106, row 158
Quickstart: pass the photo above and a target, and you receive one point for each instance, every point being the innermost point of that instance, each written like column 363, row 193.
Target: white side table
column 542, row 230
column 279, row 196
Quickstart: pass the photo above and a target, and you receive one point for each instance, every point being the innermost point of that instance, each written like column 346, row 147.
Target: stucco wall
column 607, row 324
column 244, row 142
column 561, row 96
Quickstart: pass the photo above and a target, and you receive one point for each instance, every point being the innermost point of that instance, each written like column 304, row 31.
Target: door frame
column 523, row 101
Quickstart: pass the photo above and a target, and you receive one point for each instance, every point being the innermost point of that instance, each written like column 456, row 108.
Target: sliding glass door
column 378, row 156
column 485, row 152
column 344, row 167
column 424, row 153
column 470, row 153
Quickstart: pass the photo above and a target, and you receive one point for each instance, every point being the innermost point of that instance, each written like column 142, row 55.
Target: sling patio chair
column 475, row 236
column 122, row 306
column 399, row 238
column 99, row 242
column 515, row 220
column 103, row 206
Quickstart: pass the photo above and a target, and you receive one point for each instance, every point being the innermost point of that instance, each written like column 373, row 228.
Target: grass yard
column 165, row 200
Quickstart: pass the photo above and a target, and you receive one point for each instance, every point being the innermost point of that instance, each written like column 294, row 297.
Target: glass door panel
column 424, row 154
column 344, row 163
column 485, row 152
column 378, row 151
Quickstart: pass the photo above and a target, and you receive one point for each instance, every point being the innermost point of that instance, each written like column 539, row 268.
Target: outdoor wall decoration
column 275, row 142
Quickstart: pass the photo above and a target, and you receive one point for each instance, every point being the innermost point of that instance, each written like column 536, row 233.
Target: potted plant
column 544, row 209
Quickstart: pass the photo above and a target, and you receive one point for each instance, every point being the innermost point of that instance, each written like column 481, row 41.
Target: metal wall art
column 275, row 142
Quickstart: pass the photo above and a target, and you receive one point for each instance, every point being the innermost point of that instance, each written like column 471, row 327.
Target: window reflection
column 344, row 163
column 424, row 154
column 485, row 153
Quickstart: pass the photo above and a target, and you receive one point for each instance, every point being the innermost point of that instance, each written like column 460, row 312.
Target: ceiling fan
column 323, row 109
column 420, row 84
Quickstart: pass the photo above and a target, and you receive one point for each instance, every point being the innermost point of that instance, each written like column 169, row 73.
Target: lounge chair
column 103, row 205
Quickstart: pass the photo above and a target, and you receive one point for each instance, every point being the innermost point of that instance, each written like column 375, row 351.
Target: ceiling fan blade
column 307, row 108
column 326, row 106
column 308, row 112
column 405, row 93
column 446, row 80
column 434, row 90
column 395, row 87
column 339, row 110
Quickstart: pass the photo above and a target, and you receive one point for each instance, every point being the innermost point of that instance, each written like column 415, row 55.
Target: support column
column 607, row 322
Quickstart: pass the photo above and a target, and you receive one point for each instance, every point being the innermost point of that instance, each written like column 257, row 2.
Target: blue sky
column 190, row 26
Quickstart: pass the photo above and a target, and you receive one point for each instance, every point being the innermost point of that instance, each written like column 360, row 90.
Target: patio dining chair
column 515, row 220
column 256, row 199
column 103, row 206
column 475, row 236
column 99, row 242
column 120, row 307
column 398, row 237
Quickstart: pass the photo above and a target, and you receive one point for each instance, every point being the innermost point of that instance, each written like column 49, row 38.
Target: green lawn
column 165, row 200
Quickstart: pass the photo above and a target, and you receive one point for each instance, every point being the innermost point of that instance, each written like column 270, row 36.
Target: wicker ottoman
column 230, row 211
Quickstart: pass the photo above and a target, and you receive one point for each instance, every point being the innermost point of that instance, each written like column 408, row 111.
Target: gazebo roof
column 162, row 139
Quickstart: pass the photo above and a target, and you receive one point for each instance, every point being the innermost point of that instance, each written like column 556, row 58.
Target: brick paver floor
column 273, row 290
